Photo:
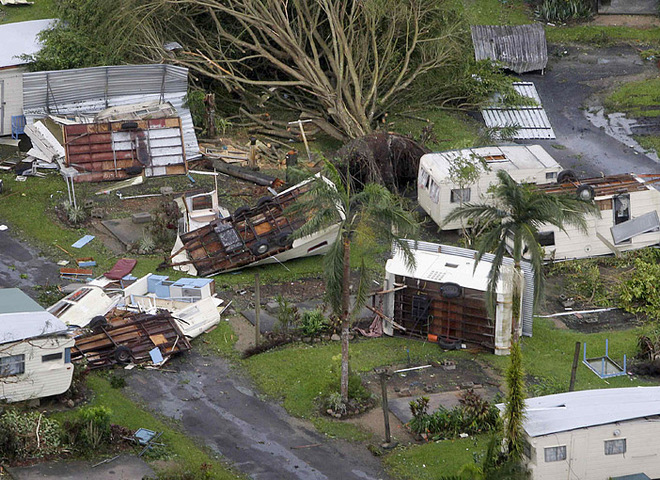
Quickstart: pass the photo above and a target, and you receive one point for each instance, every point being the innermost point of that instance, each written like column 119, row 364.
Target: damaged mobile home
column 438, row 195
column 628, row 217
column 35, row 349
column 443, row 297
column 251, row 236
column 118, row 122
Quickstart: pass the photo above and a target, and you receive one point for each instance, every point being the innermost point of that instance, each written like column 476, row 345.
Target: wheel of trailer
column 566, row 176
column 260, row 247
column 98, row 321
column 586, row 192
column 264, row 201
column 283, row 239
column 123, row 354
column 240, row 212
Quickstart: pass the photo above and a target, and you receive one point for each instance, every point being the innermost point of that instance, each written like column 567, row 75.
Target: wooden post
column 252, row 155
column 257, row 309
column 576, row 359
column 384, row 374
column 304, row 137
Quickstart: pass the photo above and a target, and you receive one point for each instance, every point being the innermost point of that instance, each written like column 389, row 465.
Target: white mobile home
column 16, row 39
column 438, row 195
column 444, row 296
column 594, row 434
column 35, row 349
column 628, row 218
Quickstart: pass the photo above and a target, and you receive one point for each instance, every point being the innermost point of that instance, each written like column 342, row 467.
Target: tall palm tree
column 516, row 213
column 362, row 216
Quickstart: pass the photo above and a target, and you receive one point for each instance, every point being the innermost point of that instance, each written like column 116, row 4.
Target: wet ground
column 572, row 88
column 217, row 405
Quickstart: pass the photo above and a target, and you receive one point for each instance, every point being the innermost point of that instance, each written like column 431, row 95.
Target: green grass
column 434, row 460
column 637, row 99
column 497, row 12
column 180, row 448
column 602, row 35
column 454, row 130
column 649, row 142
column 21, row 13
column 220, row 341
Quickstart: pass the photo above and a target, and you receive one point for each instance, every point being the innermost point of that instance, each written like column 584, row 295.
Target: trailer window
column 459, row 195
column 434, row 192
column 550, row 175
column 555, row 454
column 615, row 447
column 546, row 239
column 51, row 357
column 424, row 178
column 12, row 365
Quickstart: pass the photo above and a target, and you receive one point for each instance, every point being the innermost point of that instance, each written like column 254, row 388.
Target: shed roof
column 588, row 408
column 508, row 157
column 521, row 48
column 20, row 38
column 22, row 318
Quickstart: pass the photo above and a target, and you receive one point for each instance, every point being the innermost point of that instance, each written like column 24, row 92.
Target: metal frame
column 604, row 360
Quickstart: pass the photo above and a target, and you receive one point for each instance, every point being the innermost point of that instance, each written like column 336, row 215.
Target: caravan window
column 459, row 195
column 434, row 192
column 550, row 175
column 615, row 447
column 424, row 178
column 51, row 357
column 555, row 454
column 546, row 239
column 12, row 365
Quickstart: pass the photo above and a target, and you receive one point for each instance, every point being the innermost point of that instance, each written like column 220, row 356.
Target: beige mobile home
column 628, row 218
column 444, row 296
column 438, row 195
column 35, row 349
column 594, row 434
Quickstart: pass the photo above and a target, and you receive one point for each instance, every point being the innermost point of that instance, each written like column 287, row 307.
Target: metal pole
column 257, row 309
column 576, row 358
column 386, row 410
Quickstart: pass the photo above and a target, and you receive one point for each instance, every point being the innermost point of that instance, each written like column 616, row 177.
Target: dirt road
column 217, row 405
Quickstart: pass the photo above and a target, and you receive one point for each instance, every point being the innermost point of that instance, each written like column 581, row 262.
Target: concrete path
column 126, row 467
column 217, row 405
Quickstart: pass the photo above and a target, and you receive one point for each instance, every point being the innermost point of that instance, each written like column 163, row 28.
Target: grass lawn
column 180, row 449
column 637, row 99
column 434, row 460
column 649, row 142
column 602, row 35
column 21, row 13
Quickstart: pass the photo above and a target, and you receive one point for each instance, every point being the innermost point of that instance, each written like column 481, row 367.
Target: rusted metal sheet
column 115, row 150
column 521, row 48
column 603, row 186
column 246, row 237
column 129, row 337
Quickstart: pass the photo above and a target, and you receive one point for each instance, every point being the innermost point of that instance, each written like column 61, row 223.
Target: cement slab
column 267, row 321
column 400, row 407
column 126, row 467
column 124, row 230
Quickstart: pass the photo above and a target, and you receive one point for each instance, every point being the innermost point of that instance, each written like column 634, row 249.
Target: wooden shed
column 444, row 296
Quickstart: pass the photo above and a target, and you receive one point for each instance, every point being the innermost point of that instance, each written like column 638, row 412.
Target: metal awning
column 636, row 226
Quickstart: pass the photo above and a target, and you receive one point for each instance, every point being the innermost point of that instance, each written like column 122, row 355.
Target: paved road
column 216, row 404
column 21, row 265
column 567, row 90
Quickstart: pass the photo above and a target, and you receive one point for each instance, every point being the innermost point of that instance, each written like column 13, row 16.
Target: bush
column 26, row 435
column 562, row 11
column 313, row 323
column 74, row 215
column 287, row 314
column 91, row 428
column 640, row 292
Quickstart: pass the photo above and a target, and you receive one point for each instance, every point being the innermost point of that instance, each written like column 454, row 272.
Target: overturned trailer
column 251, row 236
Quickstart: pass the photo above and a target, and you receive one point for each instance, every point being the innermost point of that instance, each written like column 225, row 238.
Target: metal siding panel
column 522, row 48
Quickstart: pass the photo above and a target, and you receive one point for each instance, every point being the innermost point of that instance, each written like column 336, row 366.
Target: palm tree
column 516, row 214
column 372, row 213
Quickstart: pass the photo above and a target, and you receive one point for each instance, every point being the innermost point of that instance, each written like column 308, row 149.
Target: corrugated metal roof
column 588, row 408
column 86, row 91
column 603, row 186
column 22, row 318
column 521, row 48
column 532, row 121
column 20, row 38
column 528, row 271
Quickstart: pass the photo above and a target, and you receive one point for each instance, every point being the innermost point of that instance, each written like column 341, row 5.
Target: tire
column 264, row 201
column 283, row 239
column 240, row 212
column 260, row 248
column 566, row 176
column 123, row 355
column 449, row 344
column 585, row 192
column 98, row 321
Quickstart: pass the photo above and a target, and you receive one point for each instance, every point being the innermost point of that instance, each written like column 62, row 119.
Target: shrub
column 313, row 323
column 75, row 215
column 640, row 292
column 562, row 11
column 91, row 428
column 25, row 435
column 287, row 314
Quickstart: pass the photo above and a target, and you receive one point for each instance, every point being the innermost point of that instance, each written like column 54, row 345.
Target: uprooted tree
column 340, row 63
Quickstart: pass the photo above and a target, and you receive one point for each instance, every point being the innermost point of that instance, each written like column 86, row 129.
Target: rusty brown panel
column 75, row 129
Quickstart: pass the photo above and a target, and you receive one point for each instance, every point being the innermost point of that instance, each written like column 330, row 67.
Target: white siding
column 41, row 379
column 12, row 78
column 576, row 244
column 585, row 452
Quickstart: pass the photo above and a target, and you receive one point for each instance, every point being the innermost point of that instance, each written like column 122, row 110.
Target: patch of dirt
column 244, row 331
column 636, row 21
column 302, row 290
column 601, row 322
column 374, row 422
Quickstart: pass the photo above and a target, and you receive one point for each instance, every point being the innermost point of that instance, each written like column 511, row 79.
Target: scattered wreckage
column 251, row 236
